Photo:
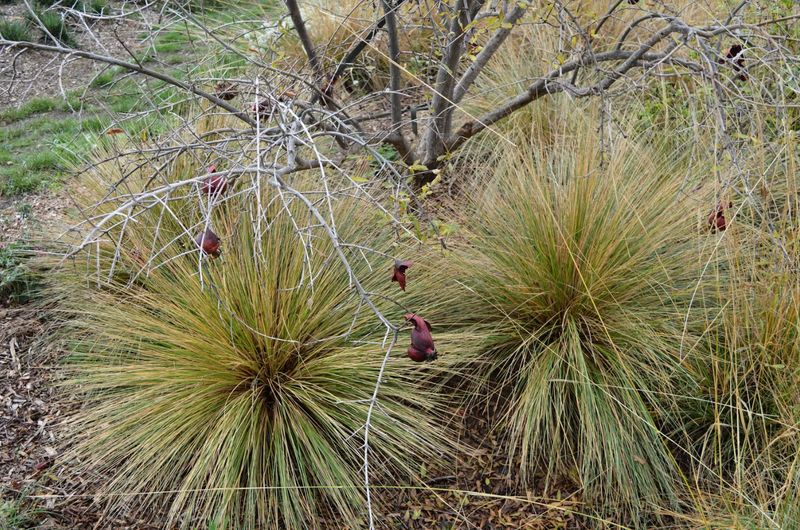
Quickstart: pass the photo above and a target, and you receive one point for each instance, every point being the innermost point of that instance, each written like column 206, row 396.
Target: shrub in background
column 18, row 281
column 742, row 429
column 15, row 30
column 526, row 55
column 98, row 7
column 55, row 25
column 336, row 25
column 743, row 426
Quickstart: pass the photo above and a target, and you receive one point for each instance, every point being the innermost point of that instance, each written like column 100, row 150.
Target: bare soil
column 22, row 217
column 33, row 472
column 31, row 74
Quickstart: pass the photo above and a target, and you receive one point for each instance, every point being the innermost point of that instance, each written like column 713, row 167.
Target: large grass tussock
column 241, row 385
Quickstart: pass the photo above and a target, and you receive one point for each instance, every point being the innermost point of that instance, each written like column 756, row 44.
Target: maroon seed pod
column 209, row 243
column 422, row 347
column 399, row 272
column 214, row 184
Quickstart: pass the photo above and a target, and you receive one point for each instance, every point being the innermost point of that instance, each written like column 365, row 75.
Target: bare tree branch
column 549, row 85
column 394, row 69
column 441, row 106
column 305, row 39
column 133, row 68
column 488, row 51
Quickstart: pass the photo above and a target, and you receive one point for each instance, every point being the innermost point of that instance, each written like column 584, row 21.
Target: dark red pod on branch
column 214, row 184
column 264, row 107
column 226, row 91
column 268, row 105
column 716, row 219
column 421, row 348
column 735, row 56
column 399, row 272
column 209, row 243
